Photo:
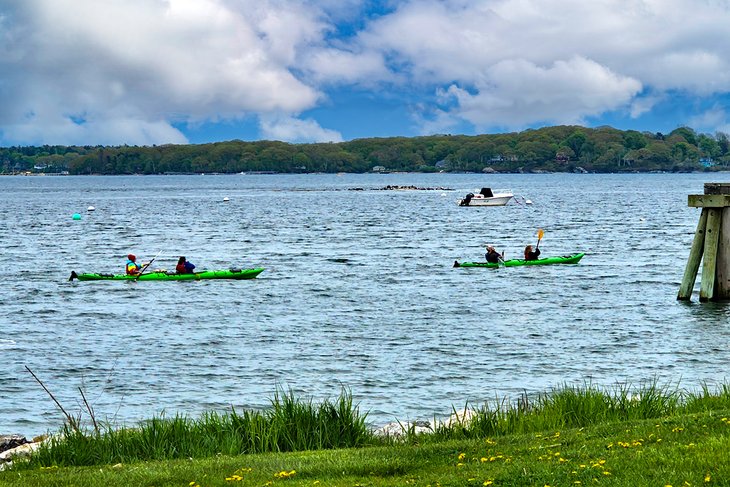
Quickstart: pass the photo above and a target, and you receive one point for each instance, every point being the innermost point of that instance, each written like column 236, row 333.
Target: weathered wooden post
column 711, row 245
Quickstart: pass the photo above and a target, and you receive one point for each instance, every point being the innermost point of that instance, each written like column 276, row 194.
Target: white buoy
column 90, row 208
column 226, row 199
column 528, row 202
column 443, row 194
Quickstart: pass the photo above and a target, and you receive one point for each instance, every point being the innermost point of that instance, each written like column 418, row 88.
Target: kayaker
column 184, row 267
column 493, row 256
column 132, row 267
column 531, row 254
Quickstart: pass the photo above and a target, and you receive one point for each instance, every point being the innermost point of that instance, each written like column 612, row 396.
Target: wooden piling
column 711, row 245
column 712, row 233
column 693, row 263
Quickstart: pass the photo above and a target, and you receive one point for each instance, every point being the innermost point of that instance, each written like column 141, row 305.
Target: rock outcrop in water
column 412, row 188
column 396, row 187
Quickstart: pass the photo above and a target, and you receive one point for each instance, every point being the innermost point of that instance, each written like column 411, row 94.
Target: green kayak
column 566, row 259
column 171, row 276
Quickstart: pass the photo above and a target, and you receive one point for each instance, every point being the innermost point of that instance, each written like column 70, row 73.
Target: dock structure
column 711, row 246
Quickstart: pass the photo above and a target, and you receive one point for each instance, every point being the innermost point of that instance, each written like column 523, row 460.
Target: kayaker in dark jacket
column 531, row 254
column 184, row 267
column 492, row 256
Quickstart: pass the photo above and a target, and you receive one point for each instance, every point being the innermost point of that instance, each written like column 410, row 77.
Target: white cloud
column 714, row 119
column 160, row 61
column 164, row 63
column 337, row 66
column 56, row 130
column 643, row 104
column 471, row 45
column 289, row 129
column 516, row 93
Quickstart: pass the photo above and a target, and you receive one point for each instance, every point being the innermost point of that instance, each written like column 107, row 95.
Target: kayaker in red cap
column 132, row 266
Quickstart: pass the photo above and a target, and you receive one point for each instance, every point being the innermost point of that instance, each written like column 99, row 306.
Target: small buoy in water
column 528, row 202
column 226, row 199
column 443, row 194
column 642, row 219
column 76, row 216
column 90, row 208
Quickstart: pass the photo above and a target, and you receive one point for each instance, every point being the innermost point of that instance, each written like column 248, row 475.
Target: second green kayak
column 566, row 259
column 170, row 276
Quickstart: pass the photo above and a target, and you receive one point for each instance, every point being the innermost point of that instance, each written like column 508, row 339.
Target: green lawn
column 685, row 444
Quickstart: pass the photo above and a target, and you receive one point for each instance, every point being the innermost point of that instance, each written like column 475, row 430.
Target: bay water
column 358, row 292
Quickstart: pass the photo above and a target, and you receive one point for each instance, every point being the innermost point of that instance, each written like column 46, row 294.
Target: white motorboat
column 486, row 197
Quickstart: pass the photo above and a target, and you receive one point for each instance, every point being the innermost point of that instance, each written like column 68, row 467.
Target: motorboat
column 486, row 197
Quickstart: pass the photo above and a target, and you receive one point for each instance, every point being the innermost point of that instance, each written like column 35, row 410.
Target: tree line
column 549, row 149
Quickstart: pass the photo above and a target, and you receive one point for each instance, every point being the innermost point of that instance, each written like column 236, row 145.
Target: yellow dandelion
column 484, row 459
column 707, row 477
column 459, row 464
column 487, row 482
column 462, row 456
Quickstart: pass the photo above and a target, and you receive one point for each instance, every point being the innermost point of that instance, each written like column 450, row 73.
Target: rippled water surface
column 359, row 290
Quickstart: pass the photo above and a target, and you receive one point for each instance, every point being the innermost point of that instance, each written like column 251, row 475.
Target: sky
column 143, row 72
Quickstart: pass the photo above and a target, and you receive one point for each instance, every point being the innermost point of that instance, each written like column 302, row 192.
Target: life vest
column 185, row 268
column 132, row 267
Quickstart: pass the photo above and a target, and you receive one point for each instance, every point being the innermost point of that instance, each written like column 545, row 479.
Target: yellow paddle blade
column 540, row 233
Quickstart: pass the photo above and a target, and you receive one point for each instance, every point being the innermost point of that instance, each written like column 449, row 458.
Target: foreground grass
column 687, row 450
column 658, row 438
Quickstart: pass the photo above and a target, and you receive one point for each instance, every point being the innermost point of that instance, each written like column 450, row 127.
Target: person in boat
column 184, row 267
column 466, row 200
column 531, row 254
column 133, row 268
column 492, row 256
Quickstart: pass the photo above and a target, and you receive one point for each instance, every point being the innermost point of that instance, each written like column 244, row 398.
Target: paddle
column 540, row 233
column 147, row 265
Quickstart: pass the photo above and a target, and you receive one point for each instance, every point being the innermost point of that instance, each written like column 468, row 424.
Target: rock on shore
column 14, row 447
